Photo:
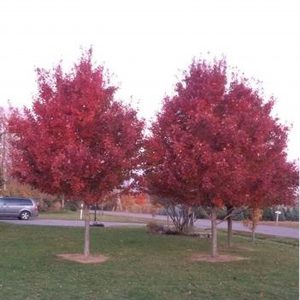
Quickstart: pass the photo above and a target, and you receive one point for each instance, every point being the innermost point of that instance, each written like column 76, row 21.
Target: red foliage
column 76, row 140
column 211, row 143
column 270, row 179
column 140, row 199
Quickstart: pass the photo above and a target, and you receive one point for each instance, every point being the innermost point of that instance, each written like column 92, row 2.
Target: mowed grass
column 141, row 266
column 70, row 215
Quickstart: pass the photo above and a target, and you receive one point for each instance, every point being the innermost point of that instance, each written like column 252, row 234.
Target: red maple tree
column 270, row 179
column 203, row 142
column 76, row 140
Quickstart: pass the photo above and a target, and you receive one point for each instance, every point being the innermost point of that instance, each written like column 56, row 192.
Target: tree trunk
column 119, row 204
column 185, row 219
column 229, row 225
column 229, row 232
column 253, row 234
column 3, row 163
column 86, row 250
column 214, row 246
column 95, row 214
column 63, row 201
column 191, row 220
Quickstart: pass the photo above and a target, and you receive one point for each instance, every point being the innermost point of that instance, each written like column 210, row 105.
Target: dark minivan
column 22, row 208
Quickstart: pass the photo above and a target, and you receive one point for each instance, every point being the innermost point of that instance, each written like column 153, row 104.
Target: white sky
column 147, row 44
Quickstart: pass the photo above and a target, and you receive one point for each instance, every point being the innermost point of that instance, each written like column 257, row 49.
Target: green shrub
column 268, row 214
column 71, row 205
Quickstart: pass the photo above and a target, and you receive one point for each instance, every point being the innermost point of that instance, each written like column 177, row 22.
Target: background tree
column 8, row 185
column 3, row 149
column 276, row 184
column 269, row 178
column 252, row 220
column 76, row 140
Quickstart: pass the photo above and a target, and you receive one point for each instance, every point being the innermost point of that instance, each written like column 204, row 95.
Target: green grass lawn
column 71, row 215
column 141, row 266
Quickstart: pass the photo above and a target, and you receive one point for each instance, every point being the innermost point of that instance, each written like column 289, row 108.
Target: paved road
column 66, row 223
column 263, row 229
column 238, row 226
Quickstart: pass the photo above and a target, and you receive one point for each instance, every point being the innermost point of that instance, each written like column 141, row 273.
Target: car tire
column 25, row 215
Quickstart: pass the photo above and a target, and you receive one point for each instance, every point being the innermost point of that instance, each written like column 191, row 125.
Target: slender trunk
column 185, row 220
column 63, row 201
column 229, row 211
column 229, row 225
column 253, row 234
column 229, row 232
column 86, row 230
column 119, row 204
column 214, row 246
column 191, row 220
column 95, row 214
column 3, row 163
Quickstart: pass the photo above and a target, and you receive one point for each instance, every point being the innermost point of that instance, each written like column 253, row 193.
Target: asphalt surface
column 237, row 226
column 66, row 223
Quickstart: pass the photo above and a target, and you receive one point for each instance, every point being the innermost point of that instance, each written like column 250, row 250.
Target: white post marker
column 277, row 212
column 81, row 210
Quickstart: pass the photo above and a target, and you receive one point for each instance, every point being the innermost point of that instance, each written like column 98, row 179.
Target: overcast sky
column 147, row 44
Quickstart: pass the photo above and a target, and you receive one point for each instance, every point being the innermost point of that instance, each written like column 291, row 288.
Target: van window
column 26, row 202
column 18, row 202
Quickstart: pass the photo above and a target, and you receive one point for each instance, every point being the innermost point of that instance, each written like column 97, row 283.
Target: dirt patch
column 219, row 258
column 80, row 258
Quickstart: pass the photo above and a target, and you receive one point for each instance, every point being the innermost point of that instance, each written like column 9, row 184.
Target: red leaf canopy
column 211, row 144
column 76, row 140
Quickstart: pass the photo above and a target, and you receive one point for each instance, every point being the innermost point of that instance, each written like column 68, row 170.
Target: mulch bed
column 80, row 258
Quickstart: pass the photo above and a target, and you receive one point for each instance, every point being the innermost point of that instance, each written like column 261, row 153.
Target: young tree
column 76, row 140
column 269, row 178
column 191, row 156
column 276, row 183
column 252, row 221
column 3, row 150
column 209, row 142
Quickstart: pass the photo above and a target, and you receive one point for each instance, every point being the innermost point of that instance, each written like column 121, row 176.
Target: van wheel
column 24, row 215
